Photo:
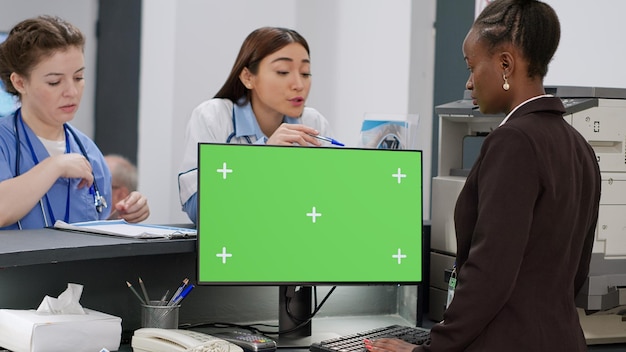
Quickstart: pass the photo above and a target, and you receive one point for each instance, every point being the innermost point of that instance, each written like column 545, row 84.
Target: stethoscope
column 99, row 200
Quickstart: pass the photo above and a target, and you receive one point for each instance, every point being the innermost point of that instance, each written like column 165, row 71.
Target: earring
column 506, row 85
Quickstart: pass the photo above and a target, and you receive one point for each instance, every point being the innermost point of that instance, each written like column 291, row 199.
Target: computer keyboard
column 354, row 342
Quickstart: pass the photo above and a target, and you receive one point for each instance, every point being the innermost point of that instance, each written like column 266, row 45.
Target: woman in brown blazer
column 526, row 217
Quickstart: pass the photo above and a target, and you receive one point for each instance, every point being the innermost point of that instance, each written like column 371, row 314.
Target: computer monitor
column 8, row 102
column 303, row 216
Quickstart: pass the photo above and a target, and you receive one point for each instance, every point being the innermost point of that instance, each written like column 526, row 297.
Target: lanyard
column 451, row 286
column 34, row 156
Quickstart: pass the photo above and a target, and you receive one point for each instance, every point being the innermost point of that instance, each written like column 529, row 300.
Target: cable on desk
column 254, row 327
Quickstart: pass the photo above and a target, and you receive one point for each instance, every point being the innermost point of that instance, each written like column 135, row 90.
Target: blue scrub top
column 82, row 206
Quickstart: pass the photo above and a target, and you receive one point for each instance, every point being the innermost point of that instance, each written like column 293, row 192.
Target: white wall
column 81, row 13
column 361, row 59
column 421, row 83
column 592, row 48
column 368, row 56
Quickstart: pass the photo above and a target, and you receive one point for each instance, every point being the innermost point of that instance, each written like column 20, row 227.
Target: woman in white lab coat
column 261, row 102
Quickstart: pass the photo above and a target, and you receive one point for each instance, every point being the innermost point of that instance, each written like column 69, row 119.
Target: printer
column 599, row 114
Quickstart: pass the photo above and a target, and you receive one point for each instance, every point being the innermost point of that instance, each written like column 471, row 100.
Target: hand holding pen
column 134, row 208
column 290, row 134
column 329, row 140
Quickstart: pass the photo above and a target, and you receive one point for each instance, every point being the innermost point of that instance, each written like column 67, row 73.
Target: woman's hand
column 74, row 165
column 290, row 134
column 392, row 345
column 133, row 208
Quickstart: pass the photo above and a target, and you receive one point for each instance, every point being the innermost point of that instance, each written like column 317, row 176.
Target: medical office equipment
column 331, row 232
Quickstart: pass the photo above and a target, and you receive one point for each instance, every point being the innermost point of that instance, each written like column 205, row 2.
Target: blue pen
column 178, row 291
column 183, row 294
column 328, row 139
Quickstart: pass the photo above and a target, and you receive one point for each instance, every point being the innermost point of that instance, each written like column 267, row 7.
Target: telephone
column 175, row 340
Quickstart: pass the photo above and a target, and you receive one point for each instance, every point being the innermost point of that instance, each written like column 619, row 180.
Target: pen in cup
column 177, row 298
column 135, row 292
column 143, row 290
column 164, row 298
column 182, row 295
column 328, row 139
column 178, row 291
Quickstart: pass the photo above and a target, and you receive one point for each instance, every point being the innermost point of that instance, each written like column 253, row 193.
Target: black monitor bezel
column 310, row 283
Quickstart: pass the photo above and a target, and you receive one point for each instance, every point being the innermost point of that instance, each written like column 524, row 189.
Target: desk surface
column 30, row 247
column 351, row 325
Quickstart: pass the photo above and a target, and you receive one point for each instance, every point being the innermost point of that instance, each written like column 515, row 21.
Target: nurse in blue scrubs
column 48, row 169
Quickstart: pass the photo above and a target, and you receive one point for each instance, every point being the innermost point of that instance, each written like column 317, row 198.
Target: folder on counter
column 124, row 229
column 29, row 331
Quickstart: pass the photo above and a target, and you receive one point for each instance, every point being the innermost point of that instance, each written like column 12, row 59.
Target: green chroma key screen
column 297, row 215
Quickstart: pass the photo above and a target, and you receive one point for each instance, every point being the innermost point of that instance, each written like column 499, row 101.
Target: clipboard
column 121, row 228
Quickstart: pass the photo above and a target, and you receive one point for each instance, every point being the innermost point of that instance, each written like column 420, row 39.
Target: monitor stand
column 295, row 308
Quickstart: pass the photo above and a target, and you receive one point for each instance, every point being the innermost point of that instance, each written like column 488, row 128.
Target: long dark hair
column 259, row 44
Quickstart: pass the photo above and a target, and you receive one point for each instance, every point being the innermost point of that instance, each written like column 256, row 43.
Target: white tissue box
column 29, row 331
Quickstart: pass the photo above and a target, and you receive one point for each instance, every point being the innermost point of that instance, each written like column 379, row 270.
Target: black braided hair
column 531, row 25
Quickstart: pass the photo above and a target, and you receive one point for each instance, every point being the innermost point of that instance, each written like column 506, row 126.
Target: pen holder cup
column 157, row 315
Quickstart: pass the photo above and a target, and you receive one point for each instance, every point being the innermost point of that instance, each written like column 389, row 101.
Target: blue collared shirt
column 246, row 125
